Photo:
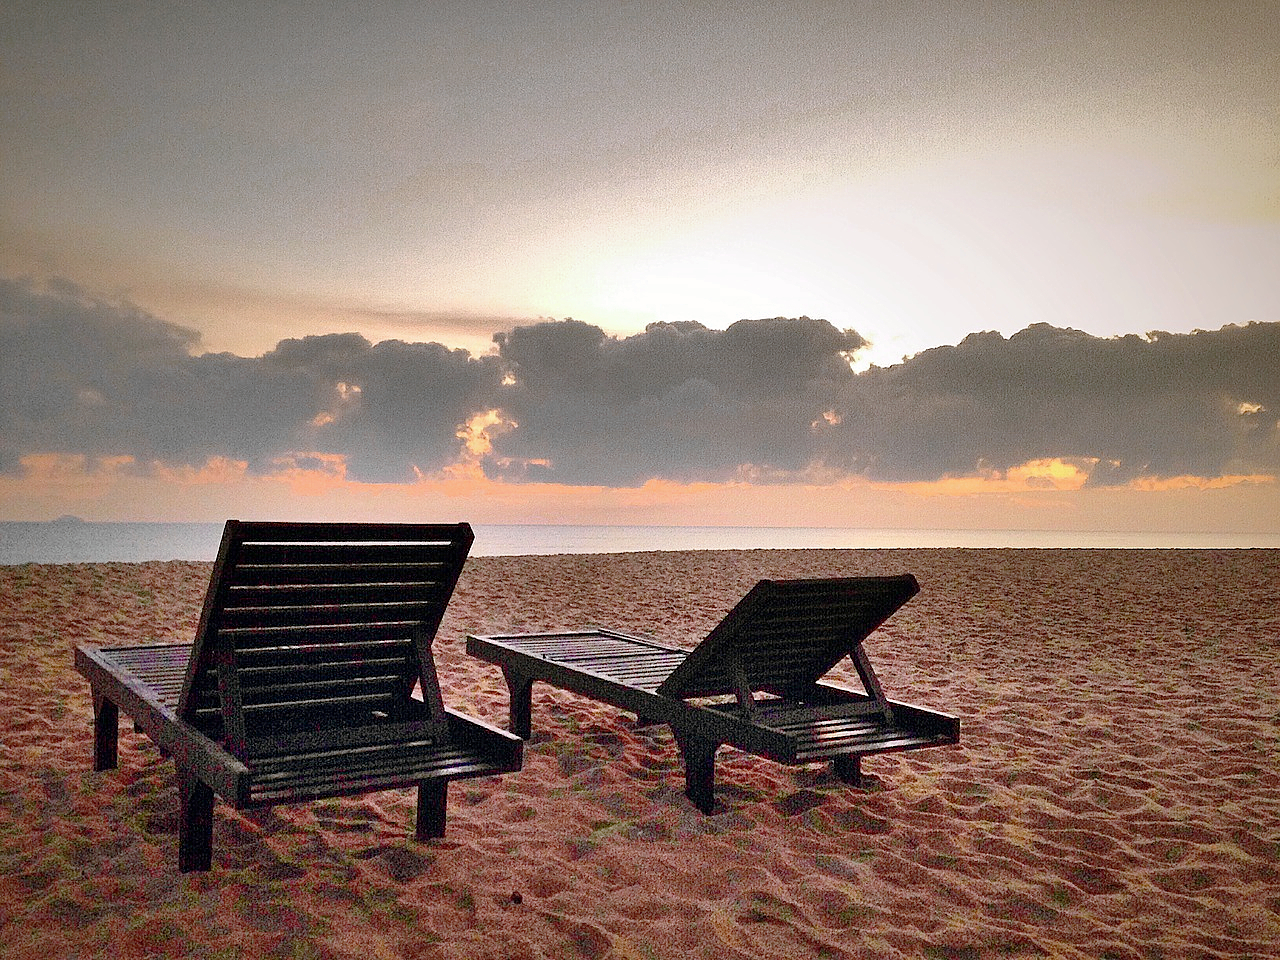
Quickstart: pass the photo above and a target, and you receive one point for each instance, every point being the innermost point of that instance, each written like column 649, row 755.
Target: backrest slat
column 329, row 554
column 277, row 575
column 329, row 614
column 329, row 594
column 285, row 637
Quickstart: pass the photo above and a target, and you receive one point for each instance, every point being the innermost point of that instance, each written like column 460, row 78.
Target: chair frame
column 737, row 689
column 311, row 676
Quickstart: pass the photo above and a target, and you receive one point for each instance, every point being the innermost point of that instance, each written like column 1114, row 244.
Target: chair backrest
column 785, row 634
column 316, row 634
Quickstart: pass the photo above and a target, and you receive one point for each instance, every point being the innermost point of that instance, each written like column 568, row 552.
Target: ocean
column 77, row 541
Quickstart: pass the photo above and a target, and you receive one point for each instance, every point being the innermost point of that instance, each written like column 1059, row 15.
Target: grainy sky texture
column 305, row 258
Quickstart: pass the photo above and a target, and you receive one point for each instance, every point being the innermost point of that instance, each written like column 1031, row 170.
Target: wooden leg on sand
column 521, row 692
column 433, row 799
column 195, row 823
column 848, row 768
column 699, row 769
column 106, row 733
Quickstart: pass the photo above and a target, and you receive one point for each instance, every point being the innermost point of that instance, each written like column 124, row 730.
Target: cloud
column 392, row 409
column 82, row 376
column 678, row 401
column 63, row 360
column 776, row 400
column 763, row 401
column 1163, row 405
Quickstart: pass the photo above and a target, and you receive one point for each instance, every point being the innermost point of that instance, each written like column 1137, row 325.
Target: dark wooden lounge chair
column 311, row 676
column 753, row 683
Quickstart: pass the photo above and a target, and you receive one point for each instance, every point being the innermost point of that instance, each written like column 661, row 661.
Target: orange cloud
column 215, row 470
column 1044, row 474
column 1067, row 475
column 53, row 468
column 477, row 433
column 1156, row 484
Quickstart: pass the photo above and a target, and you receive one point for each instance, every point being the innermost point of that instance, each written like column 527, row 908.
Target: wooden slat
column 373, row 571
column 312, row 671
column 301, row 693
column 306, row 785
column 268, row 531
column 356, row 614
column 412, row 762
column 316, row 637
column 287, row 555
column 355, row 731
column 786, row 714
column 881, row 742
column 329, row 594
column 470, row 749
column 382, row 754
column 638, row 667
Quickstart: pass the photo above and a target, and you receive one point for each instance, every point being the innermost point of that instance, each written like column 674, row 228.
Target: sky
column 973, row 265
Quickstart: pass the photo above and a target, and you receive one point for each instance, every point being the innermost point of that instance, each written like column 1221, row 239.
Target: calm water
column 79, row 542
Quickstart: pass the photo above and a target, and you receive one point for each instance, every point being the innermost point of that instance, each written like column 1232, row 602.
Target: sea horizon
column 71, row 540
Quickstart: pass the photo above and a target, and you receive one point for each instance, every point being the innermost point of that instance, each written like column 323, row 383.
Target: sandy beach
column 1115, row 794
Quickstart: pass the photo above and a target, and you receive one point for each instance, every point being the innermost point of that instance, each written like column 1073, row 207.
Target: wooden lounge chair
column 753, row 683
column 304, row 680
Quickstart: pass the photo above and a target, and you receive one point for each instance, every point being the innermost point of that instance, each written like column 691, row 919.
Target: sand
column 1116, row 791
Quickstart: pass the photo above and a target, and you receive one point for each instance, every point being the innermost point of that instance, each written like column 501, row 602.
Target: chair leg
column 699, row 769
column 195, row 823
column 106, row 733
column 521, row 693
column 433, row 799
column 848, row 768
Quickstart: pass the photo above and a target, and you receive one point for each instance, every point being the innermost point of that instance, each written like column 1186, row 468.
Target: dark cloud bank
column 769, row 400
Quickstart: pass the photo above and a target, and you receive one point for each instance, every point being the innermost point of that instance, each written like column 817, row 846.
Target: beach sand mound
column 1116, row 791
